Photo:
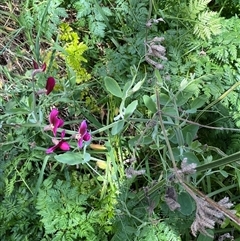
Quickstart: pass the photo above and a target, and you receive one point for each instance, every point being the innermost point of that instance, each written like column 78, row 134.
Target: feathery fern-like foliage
column 91, row 14
column 225, row 47
column 43, row 16
column 129, row 20
column 208, row 24
column 195, row 7
column 65, row 214
column 195, row 14
column 19, row 216
column 160, row 231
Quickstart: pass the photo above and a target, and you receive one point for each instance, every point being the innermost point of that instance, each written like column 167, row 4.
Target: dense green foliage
column 158, row 85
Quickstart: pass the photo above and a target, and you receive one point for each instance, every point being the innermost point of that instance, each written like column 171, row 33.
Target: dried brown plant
column 226, row 236
column 152, row 21
column 171, row 199
column 208, row 212
column 155, row 51
column 207, row 215
column 131, row 172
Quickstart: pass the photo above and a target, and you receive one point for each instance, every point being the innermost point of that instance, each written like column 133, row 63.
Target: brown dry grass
column 14, row 54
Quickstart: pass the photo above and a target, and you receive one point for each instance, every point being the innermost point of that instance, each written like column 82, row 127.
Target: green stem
column 34, row 101
column 40, row 178
column 164, row 130
column 220, row 162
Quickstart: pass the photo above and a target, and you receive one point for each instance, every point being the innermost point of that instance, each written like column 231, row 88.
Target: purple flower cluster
column 55, row 123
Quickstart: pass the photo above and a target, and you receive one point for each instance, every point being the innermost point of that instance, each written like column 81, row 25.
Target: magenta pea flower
column 83, row 134
column 54, row 121
column 50, row 85
column 59, row 144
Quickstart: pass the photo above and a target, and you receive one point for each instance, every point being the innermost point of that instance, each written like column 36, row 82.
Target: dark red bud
column 35, row 64
column 50, row 84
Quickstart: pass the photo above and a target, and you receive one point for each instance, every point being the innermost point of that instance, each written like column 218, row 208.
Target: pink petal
column 64, row 146
column 50, row 84
column 54, row 130
column 87, row 137
column 60, row 122
column 51, row 149
column 80, row 143
column 56, row 124
column 55, row 121
column 53, row 115
column 62, row 134
column 83, row 128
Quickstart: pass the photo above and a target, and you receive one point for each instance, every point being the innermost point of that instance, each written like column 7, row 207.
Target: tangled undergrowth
column 119, row 120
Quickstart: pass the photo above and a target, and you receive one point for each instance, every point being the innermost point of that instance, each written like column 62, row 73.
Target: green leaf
column 113, row 87
column 186, row 202
column 190, row 133
column 17, row 111
column 164, row 99
column 149, row 103
column 169, row 111
column 203, row 237
column 183, row 97
column 218, row 163
column 117, row 127
column 198, row 102
column 226, row 222
column 225, row 174
column 138, row 85
column 191, row 111
column 183, row 84
column 130, row 109
column 126, row 89
column 72, row 158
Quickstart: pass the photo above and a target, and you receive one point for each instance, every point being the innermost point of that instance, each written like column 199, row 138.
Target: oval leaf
column 130, row 108
column 149, row 103
column 186, row 203
column 117, row 127
column 190, row 133
column 113, row 87
column 71, row 158
column 138, row 85
column 198, row 102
